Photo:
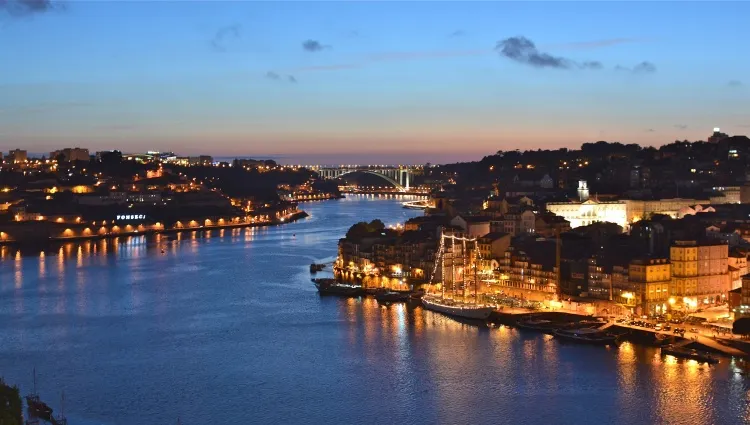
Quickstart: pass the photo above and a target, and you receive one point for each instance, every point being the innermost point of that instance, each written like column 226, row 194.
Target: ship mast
column 441, row 255
column 477, row 257
column 463, row 260
column 453, row 266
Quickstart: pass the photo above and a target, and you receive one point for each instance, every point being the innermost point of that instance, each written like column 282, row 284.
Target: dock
column 510, row 316
column 690, row 340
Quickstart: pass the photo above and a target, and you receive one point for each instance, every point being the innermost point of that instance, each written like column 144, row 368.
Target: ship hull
column 466, row 312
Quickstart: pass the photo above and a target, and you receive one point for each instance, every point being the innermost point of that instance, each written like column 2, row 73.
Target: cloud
column 523, row 50
column 313, row 46
column 644, row 68
column 681, row 126
column 271, row 75
column 218, row 42
column 735, row 83
column 641, row 68
column 443, row 54
column 457, row 33
column 28, row 7
column 591, row 65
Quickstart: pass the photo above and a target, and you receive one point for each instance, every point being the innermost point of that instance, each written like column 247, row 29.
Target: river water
column 228, row 329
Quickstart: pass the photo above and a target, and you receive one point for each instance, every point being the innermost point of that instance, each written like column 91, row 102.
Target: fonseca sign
column 131, row 216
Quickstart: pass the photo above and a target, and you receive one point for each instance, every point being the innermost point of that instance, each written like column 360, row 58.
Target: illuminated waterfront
column 229, row 329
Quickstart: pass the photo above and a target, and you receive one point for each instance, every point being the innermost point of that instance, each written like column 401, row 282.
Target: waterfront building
column 492, row 247
column 398, row 258
column 700, row 272
column 531, row 273
column 738, row 261
column 651, row 277
column 743, row 309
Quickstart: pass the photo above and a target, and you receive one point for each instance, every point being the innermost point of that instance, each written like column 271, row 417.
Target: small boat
column 314, row 268
column 586, row 336
column 387, row 297
column 329, row 286
column 545, row 326
column 690, row 354
column 456, row 308
column 36, row 406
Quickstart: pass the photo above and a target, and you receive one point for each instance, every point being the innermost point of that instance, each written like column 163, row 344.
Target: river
column 228, row 329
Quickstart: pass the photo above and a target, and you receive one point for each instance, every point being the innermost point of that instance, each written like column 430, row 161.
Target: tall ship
column 457, row 261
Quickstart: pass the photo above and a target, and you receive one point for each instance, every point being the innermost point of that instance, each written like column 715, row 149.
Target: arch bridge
column 399, row 176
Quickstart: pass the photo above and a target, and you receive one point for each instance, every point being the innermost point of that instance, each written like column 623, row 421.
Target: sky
column 368, row 82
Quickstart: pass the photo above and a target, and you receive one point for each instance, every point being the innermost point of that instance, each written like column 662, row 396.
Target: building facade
column 700, row 272
column 651, row 278
column 622, row 212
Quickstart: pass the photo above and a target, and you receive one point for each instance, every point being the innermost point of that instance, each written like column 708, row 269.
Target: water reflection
column 142, row 330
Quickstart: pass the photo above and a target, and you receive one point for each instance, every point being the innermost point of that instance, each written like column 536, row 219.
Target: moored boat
column 545, row 326
column 386, row 297
column 586, row 336
column 689, row 354
column 329, row 286
column 456, row 308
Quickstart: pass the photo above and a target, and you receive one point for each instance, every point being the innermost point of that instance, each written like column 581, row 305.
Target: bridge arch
column 375, row 173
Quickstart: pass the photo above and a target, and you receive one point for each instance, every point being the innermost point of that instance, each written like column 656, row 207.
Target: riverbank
column 290, row 218
column 311, row 198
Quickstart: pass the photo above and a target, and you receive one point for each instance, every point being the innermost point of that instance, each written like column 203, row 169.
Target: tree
column 10, row 405
column 741, row 326
column 376, row 225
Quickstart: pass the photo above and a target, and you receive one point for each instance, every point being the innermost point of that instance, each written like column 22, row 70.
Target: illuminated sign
column 131, row 217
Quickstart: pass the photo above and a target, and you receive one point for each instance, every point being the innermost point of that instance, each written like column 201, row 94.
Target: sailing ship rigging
column 458, row 258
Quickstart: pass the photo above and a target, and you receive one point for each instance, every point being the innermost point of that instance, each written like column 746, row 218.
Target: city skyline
column 357, row 82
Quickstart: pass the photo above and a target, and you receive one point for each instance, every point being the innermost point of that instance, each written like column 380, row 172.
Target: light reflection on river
column 229, row 329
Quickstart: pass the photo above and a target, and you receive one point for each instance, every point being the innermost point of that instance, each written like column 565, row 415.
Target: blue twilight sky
column 368, row 81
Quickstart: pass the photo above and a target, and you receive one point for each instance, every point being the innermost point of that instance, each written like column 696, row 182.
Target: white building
column 622, row 212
